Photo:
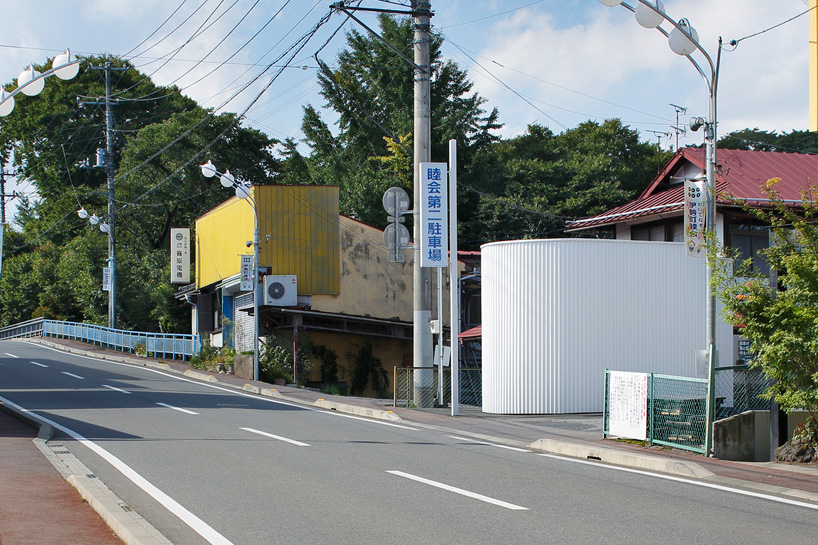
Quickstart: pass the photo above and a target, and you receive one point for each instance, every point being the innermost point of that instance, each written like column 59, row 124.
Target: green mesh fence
column 678, row 412
column 739, row 389
column 412, row 390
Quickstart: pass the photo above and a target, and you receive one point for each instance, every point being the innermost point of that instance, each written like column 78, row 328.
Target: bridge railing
column 159, row 345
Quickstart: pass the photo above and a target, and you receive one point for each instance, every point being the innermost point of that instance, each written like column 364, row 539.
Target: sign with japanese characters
column 106, row 278
column 694, row 217
column 628, row 404
column 246, row 273
column 434, row 210
column 180, row 256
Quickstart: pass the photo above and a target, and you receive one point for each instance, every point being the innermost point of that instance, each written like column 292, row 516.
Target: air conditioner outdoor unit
column 280, row 290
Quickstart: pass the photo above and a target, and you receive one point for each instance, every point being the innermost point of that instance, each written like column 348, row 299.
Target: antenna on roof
column 678, row 128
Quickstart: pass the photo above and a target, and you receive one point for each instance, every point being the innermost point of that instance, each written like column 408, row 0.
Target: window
column 747, row 240
column 658, row 232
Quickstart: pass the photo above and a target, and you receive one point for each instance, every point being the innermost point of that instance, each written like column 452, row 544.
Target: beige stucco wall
column 369, row 285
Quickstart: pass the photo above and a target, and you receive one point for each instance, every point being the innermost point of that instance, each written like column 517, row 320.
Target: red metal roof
column 473, row 333
column 741, row 174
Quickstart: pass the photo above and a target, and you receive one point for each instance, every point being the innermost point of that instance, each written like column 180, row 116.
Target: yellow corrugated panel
column 298, row 234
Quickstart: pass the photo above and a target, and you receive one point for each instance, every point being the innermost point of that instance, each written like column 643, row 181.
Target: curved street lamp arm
column 710, row 81
column 44, row 75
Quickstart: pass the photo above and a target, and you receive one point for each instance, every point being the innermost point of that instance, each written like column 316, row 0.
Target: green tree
column 780, row 321
column 541, row 179
column 371, row 90
column 53, row 267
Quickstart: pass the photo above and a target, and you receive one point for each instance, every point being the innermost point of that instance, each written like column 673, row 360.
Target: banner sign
column 628, row 404
column 695, row 192
column 246, row 273
column 106, row 279
column 434, row 209
column 180, row 256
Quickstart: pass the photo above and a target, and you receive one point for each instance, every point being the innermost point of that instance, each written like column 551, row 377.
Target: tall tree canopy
column 371, row 90
column 53, row 267
column 524, row 187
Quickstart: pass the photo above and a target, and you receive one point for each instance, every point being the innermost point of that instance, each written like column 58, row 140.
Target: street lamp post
column 684, row 40
column 243, row 192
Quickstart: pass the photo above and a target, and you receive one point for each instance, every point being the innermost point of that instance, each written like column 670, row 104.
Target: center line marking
column 460, row 491
column 278, row 437
column 38, row 364
column 116, row 389
column 11, row 355
column 176, row 408
column 73, row 375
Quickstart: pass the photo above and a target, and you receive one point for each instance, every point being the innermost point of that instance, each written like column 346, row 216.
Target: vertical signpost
column 434, row 228
column 434, row 241
column 180, row 256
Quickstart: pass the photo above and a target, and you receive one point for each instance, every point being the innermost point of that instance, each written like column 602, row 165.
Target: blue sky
column 571, row 60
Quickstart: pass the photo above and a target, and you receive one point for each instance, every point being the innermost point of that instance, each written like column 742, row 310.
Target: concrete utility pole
column 422, row 335
column 109, row 171
column 3, row 195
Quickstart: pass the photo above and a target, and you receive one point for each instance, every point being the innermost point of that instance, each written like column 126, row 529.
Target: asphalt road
column 206, row 464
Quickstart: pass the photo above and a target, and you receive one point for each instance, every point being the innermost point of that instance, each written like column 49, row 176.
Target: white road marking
column 38, row 364
column 516, row 449
column 460, row 491
column 11, row 355
column 116, row 389
column 197, row 524
column 238, row 393
column 278, row 437
column 687, row 481
column 73, row 375
column 176, row 408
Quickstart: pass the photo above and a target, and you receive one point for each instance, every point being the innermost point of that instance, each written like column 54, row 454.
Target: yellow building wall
column 298, row 234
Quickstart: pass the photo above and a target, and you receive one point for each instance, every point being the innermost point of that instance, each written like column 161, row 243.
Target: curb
column 355, row 409
column 627, row 459
column 126, row 523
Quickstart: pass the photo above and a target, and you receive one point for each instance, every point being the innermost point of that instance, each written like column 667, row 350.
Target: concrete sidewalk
column 578, row 436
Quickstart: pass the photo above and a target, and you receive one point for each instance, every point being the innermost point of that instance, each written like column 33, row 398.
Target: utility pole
column 109, row 171
column 3, row 194
column 422, row 335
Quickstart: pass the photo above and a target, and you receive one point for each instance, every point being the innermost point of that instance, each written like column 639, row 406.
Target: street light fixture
column 684, row 40
column 31, row 83
column 243, row 192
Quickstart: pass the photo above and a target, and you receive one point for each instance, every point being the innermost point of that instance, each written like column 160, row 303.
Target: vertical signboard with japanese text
column 434, row 206
column 180, row 256
column 628, row 404
column 246, row 273
column 106, row 278
column 694, row 217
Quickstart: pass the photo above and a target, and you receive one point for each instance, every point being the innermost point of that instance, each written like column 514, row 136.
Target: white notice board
column 628, row 404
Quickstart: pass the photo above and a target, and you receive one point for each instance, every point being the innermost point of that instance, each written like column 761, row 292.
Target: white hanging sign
column 106, row 279
column 246, row 273
column 180, row 256
column 434, row 206
column 695, row 192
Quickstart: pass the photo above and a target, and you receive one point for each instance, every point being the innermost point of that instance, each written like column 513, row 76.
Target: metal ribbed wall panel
column 557, row 313
column 298, row 234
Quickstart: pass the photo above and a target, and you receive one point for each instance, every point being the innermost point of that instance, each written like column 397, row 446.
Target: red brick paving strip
column 38, row 506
